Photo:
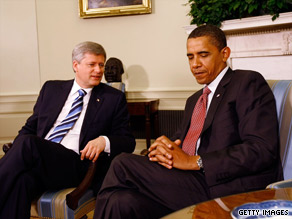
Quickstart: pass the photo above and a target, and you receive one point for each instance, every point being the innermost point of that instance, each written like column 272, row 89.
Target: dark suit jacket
column 239, row 142
column 106, row 114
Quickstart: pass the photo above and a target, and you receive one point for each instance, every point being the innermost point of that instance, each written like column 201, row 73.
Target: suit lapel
column 94, row 104
column 60, row 96
column 217, row 97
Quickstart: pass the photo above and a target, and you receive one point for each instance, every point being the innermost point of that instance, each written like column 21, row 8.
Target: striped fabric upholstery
column 118, row 85
column 283, row 94
column 52, row 204
column 282, row 90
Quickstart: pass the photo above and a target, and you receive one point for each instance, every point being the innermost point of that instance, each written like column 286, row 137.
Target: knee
column 124, row 161
column 26, row 146
column 24, row 140
column 121, row 158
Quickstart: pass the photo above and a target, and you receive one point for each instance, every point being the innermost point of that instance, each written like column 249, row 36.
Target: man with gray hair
column 74, row 122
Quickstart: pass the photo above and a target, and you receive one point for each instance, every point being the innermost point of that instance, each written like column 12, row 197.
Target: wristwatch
column 200, row 163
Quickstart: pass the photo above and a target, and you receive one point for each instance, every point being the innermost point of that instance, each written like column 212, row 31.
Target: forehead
column 93, row 57
column 199, row 44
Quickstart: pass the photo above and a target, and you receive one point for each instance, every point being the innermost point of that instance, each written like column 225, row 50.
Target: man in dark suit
column 100, row 131
column 227, row 143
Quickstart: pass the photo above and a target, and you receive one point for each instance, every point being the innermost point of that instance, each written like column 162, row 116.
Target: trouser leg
column 132, row 204
column 52, row 165
column 173, row 189
column 17, row 205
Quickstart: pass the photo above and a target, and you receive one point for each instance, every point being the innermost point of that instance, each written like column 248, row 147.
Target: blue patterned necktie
column 62, row 129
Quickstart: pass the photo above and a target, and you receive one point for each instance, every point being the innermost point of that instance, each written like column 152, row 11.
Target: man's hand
column 93, row 149
column 168, row 154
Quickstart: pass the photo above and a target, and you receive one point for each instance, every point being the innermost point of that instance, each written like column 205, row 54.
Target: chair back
column 118, row 85
column 282, row 90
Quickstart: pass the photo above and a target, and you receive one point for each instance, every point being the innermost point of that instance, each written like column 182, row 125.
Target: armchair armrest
column 6, row 147
column 280, row 184
column 73, row 197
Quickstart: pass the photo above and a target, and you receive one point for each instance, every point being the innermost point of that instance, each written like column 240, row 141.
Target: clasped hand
column 168, row 154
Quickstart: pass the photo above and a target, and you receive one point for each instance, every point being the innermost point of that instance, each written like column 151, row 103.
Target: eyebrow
column 201, row 52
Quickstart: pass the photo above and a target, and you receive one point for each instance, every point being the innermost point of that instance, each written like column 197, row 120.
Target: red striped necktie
column 197, row 122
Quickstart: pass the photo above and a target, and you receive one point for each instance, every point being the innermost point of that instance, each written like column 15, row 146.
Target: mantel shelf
column 258, row 23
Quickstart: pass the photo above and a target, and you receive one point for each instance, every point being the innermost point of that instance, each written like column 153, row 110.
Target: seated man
column 227, row 142
column 74, row 122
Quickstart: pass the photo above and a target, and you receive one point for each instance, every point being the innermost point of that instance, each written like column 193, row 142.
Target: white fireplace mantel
column 260, row 44
column 252, row 23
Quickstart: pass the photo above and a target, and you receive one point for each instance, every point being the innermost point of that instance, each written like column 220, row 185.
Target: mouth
column 198, row 73
column 96, row 77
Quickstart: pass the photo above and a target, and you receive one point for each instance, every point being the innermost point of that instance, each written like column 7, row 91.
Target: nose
column 97, row 69
column 196, row 62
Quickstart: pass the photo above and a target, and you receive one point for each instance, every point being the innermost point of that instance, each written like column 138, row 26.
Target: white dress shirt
column 212, row 86
column 71, row 139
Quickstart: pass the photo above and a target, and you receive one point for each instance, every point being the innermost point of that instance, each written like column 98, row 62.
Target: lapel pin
column 97, row 99
column 218, row 95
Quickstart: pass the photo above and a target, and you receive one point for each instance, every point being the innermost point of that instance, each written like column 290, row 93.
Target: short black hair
column 216, row 35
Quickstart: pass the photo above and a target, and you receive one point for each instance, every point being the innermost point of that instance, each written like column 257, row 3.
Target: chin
column 95, row 83
column 200, row 81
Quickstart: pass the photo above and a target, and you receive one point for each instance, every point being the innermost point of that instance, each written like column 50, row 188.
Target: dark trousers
column 32, row 166
column 134, row 187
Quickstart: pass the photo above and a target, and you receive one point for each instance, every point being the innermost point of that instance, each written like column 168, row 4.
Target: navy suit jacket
column 106, row 114
column 239, row 142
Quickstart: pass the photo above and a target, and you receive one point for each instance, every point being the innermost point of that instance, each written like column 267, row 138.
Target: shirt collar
column 76, row 87
column 213, row 85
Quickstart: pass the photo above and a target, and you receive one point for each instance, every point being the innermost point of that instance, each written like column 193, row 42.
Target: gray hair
column 87, row 47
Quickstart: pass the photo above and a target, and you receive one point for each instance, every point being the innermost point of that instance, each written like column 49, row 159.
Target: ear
column 75, row 65
column 225, row 53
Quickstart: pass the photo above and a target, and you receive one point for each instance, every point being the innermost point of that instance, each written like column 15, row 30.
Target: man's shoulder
column 108, row 89
column 57, row 83
column 246, row 74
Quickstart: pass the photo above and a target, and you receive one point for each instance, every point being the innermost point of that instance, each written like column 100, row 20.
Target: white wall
column 151, row 46
column 37, row 37
column 19, row 72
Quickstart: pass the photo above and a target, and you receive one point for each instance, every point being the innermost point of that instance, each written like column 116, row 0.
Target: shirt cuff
column 107, row 148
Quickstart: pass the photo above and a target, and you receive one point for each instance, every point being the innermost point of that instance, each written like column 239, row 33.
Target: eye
column 101, row 65
column 204, row 54
column 190, row 57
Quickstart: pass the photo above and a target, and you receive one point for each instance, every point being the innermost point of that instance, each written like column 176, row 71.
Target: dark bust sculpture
column 113, row 70
column 113, row 73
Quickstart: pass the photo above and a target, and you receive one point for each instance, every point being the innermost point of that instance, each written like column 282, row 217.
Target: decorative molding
column 15, row 109
column 258, row 36
column 252, row 24
column 261, row 44
column 169, row 100
column 21, row 103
